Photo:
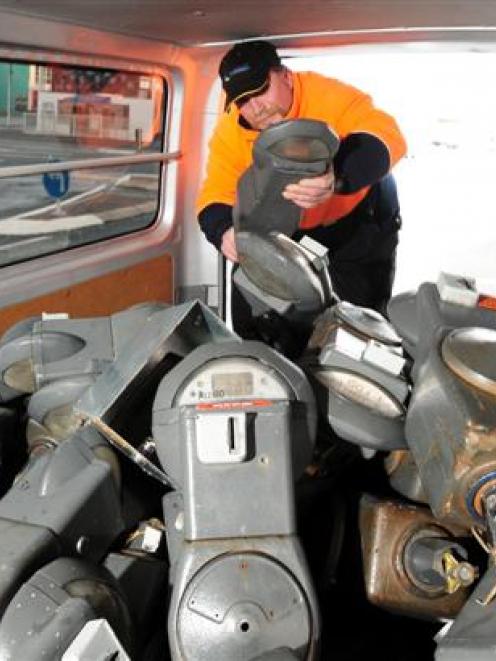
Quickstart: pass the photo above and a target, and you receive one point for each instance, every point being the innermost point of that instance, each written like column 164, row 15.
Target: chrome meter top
column 279, row 267
column 361, row 390
column 471, row 354
column 368, row 322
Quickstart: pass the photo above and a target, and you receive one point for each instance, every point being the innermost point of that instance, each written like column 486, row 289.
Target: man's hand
column 228, row 245
column 309, row 193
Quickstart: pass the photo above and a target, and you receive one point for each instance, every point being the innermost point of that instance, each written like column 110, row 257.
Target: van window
column 52, row 113
column 440, row 96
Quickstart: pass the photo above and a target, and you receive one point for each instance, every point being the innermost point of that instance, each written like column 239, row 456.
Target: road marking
column 29, row 227
column 21, row 242
column 57, row 205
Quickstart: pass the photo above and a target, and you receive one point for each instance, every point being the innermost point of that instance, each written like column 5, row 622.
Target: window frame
column 39, row 275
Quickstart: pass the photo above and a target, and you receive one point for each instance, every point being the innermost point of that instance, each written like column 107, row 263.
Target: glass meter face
column 238, row 384
column 301, row 149
column 232, row 378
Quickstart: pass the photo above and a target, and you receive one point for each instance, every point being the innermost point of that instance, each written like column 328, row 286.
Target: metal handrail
column 85, row 164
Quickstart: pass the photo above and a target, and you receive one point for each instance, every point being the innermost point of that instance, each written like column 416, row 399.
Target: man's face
column 263, row 110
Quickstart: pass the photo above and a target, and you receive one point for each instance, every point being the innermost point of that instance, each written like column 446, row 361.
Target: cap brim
column 251, row 92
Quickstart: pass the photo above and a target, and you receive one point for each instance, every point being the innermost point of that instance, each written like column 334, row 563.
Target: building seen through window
column 55, row 113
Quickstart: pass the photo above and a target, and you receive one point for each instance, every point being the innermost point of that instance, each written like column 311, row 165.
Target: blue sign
column 56, row 183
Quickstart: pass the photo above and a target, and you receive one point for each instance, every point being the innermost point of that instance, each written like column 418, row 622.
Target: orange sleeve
column 357, row 113
column 224, row 167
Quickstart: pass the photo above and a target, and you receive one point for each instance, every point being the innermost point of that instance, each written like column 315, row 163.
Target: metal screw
column 179, row 522
column 82, row 545
column 466, row 573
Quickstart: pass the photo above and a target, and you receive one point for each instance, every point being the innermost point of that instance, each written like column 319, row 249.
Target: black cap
column 244, row 69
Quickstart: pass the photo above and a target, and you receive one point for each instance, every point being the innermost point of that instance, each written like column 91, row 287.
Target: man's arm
column 218, row 192
column 362, row 160
column 216, row 223
column 214, row 220
column 371, row 143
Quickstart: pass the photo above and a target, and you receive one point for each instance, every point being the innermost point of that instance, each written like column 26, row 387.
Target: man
column 352, row 209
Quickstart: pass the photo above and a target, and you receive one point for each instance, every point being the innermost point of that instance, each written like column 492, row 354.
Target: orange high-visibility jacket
column 344, row 108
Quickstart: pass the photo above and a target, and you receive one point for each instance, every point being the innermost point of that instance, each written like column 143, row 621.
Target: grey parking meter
column 234, row 426
column 282, row 154
column 359, row 374
column 276, row 272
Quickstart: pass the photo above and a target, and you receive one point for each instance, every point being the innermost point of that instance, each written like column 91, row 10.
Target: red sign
column 488, row 302
column 229, row 406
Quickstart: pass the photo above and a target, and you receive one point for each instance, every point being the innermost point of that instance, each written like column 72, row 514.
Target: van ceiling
column 193, row 22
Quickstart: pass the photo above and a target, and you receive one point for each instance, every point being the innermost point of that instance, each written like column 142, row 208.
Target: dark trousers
column 362, row 256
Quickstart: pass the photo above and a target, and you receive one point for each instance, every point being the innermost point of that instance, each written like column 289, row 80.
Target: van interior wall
column 197, row 260
column 148, row 281
column 175, row 233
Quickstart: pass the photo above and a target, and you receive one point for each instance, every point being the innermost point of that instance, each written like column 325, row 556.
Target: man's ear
column 288, row 76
